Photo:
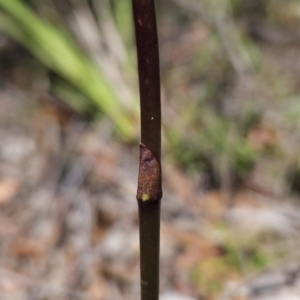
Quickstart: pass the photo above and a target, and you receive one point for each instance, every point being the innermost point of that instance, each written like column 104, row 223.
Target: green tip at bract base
column 145, row 197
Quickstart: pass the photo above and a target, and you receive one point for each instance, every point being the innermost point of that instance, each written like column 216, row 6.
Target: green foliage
column 56, row 49
column 123, row 15
column 241, row 254
column 213, row 139
column 209, row 275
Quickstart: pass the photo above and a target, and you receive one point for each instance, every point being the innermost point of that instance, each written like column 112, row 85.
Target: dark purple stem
column 149, row 79
column 149, row 191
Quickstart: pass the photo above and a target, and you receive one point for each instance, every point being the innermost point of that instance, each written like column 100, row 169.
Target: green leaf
column 55, row 48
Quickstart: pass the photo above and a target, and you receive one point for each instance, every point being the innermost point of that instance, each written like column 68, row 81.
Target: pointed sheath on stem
column 149, row 191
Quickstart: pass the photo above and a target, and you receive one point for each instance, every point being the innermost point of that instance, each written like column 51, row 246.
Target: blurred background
column 69, row 133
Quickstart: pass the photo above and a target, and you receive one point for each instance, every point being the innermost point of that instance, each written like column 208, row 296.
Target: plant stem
column 149, row 191
column 148, row 67
column 149, row 215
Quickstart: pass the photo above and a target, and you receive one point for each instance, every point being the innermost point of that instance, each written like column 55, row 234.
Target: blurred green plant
column 230, row 86
column 240, row 255
column 216, row 138
column 55, row 47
